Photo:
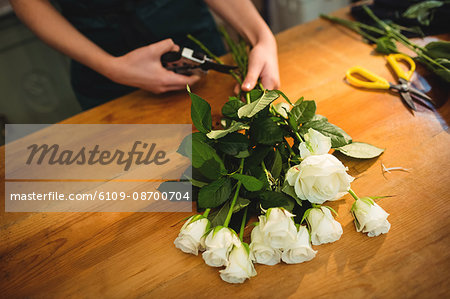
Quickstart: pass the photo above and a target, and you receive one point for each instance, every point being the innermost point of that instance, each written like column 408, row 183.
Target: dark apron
column 120, row 26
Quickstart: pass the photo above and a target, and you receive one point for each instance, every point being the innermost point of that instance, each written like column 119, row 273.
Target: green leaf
column 284, row 96
column 234, row 144
column 386, row 46
column 200, row 113
column 319, row 117
column 265, row 131
column 250, row 183
column 299, row 101
column 303, row 112
column 257, row 155
column 422, row 11
column 277, row 164
column 289, row 190
column 249, row 110
column 360, row 150
column 338, row 136
column 206, row 160
column 185, row 147
column 440, row 49
column 215, row 194
column 231, row 108
column 197, row 183
column 255, row 94
column 235, row 126
column 273, row 199
column 218, row 218
column 443, row 73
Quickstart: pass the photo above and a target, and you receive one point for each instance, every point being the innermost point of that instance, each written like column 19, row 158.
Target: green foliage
column 218, row 217
column 272, row 199
column 235, row 126
column 385, row 45
column 206, row 160
column 200, row 113
column 244, row 164
column 338, row 136
column 303, row 112
column 250, row 183
column 423, row 11
column 360, row 150
column 215, row 194
column 234, row 144
column 265, row 131
column 385, row 34
column 250, row 110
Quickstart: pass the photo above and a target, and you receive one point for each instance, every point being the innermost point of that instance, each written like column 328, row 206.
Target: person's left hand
column 263, row 63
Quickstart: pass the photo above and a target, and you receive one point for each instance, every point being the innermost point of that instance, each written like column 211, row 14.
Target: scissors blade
column 222, row 68
column 420, row 94
column 408, row 100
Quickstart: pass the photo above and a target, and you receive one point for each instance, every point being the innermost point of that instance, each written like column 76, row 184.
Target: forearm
column 50, row 26
column 244, row 18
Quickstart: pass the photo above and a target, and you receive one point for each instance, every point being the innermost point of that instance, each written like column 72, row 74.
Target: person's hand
column 263, row 63
column 142, row 68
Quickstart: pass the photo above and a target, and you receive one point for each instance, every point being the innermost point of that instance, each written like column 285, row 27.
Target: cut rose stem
column 353, row 194
column 244, row 218
column 236, row 194
column 206, row 213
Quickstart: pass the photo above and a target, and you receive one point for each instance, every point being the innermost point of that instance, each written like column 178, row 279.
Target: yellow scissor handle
column 374, row 81
column 393, row 60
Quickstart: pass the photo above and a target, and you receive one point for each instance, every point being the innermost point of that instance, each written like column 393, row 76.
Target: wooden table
column 132, row 254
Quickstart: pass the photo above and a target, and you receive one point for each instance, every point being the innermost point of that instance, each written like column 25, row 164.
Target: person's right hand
column 142, row 68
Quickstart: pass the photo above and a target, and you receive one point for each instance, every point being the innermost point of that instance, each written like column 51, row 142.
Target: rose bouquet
column 272, row 162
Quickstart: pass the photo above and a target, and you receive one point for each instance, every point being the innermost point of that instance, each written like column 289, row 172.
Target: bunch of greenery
column 435, row 55
column 245, row 162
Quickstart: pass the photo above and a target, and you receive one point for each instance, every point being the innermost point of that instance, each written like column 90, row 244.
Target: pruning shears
column 187, row 60
column 407, row 92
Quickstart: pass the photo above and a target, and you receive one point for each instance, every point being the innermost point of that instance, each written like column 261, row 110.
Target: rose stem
column 353, row 194
column 233, row 202
column 206, row 213
column 244, row 218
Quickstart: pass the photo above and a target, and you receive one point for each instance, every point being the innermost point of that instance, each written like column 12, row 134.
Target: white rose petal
column 301, row 251
column 324, row 229
column 239, row 267
column 191, row 234
column 260, row 252
column 315, row 144
column 278, row 228
column 219, row 243
column 319, row 178
column 370, row 218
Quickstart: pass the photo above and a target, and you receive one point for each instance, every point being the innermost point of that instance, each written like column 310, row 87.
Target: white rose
column 324, row 229
column 319, row 178
column 278, row 228
column 370, row 218
column 315, row 144
column 219, row 243
column 262, row 253
column 240, row 266
column 282, row 109
column 191, row 234
column 301, row 251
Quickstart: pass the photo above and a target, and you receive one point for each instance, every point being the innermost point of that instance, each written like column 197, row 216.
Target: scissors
column 186, row 61
column 376, row 82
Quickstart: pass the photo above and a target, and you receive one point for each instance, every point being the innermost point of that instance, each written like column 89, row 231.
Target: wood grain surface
column 118, row 255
